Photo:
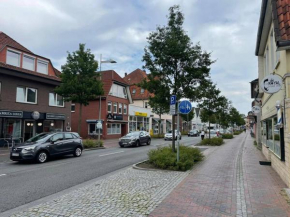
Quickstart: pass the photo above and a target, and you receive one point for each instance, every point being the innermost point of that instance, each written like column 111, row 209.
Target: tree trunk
column 80, row 119
column 173, row 133
column 209, row 129
column 159, row 125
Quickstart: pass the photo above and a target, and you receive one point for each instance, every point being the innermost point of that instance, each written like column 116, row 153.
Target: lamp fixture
column 39, row 124
column 28, row 124
column 52, row 124
column 278, row 104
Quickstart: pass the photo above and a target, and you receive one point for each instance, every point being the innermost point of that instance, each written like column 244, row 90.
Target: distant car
column 136, row 138
column 193, row 133
column 45, row 145
column 168, row 135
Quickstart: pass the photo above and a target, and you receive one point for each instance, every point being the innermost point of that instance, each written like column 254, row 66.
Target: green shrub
column 91, row 143
column 255, row 143
column 212, row 141
column 184, row 132
column 238, row 132
column 156, row 136
column 164, row 158
column 227, row 136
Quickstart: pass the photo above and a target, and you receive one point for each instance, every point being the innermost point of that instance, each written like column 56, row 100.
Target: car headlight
column 28, row 149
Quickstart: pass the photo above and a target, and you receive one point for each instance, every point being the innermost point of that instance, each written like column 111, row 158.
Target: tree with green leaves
column 174, row 62
column 79, row 81
column 211, row 104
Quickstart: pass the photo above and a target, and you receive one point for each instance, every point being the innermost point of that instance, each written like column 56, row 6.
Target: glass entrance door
column 29, row 129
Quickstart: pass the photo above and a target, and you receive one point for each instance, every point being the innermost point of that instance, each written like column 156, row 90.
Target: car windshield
column 38, row 138
column 133, row 134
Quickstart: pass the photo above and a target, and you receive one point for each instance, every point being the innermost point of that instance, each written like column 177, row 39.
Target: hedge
column 212, row 141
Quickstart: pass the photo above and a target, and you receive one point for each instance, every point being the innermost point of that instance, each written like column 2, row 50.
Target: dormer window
column 13, row 58
column 28, row 62
column 42, row 66
column 133, row 91
column 142, row 90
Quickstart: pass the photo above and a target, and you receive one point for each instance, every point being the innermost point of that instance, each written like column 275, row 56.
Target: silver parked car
column 168, row 135
column 136, row 138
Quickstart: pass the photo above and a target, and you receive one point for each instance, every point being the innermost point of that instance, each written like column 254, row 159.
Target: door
column 69, row 142
column 56, row 147
column 123, row 129
column 29, row 129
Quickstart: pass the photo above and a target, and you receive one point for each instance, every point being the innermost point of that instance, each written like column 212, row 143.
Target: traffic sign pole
column 177, row 132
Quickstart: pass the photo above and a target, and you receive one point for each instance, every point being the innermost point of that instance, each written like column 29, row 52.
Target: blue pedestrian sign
column 185, row 107
column 172, row 100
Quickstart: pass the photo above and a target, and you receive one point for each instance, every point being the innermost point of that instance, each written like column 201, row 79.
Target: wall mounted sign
column 142, row 114
column 54, row 116
column 115, row 117
column 256, row 109
column 35, row 115
column 11, row 114
column 271, row 84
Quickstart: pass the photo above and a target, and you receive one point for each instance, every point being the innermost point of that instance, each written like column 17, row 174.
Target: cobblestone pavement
column 127, row 193
column 230, row 182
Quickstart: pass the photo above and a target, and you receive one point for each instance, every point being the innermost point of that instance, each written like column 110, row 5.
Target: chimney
column 126, row 74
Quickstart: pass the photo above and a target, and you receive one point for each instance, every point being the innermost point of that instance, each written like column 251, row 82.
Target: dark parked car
column 45, row 145
column 193, row 133
column 135, row 139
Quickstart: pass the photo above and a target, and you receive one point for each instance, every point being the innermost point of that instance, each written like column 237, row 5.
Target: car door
column 56, row 144
column 141, row 136
column 69, row 142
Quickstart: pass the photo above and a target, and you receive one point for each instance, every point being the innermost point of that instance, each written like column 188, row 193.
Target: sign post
column 184, row 107
column 172, row 105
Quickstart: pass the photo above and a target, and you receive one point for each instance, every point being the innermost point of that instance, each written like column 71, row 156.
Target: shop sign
column 256, row 109
column 172, row 105
column 271, row 84
column 54, row 116
column 11, row 114
column 35, row 115
column 115, row 117
column 142, row 114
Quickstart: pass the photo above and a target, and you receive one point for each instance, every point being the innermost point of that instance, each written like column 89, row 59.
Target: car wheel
column 137, row 143
column 149, row 142
column 78, row 152
column 41, row 157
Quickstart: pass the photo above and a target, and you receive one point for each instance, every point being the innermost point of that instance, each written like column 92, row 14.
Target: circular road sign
column 185, row 107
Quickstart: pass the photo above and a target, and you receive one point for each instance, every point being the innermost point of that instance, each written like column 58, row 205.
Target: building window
column 114, row 129
column 109, row 107
column 115, row 107
column 13, row 58
column 146, row 105
column 73, row 107
column 120, row 108
column 26, row 95
column 93, row 131
column 42, row 67
column 266, row 59
column 28, row 62
column 133, row 91
column 118, row 91
column 125, row 109
column 142, row 91
column 56, row 100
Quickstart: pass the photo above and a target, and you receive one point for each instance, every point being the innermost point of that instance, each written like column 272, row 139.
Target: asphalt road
column 22, row 183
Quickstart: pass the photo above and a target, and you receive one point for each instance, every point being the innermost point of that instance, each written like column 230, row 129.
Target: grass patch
column 212, row 141
column 227, row 136
column 164, row 158
column 92, row 143
column 154, row 136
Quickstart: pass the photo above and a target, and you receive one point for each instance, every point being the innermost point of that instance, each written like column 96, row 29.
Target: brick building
column 28, row 104
column 114, row 109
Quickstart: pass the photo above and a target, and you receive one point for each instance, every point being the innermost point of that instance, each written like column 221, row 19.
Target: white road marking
column 110, row 153
column 2, row 174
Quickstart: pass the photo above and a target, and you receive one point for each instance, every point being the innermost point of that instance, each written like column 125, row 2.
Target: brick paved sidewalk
column 230, row 182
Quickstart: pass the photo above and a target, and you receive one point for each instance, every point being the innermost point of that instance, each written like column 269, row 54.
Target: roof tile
column 5, row 40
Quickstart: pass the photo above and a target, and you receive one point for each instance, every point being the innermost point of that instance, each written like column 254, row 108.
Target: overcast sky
column 117, row 29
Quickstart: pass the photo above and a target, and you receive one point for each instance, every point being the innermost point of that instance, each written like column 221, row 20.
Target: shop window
column 115, row 107
column 114, row 129
column 270, row 134
column 12, row 128
column 277, row 139
column 52, row 126
column 26, row 95
column 73, row 107
column 28, row 62
column 56, row 100
column 92, row 128
column 118, row 91
column 120, row 108
column 13, row 58
column 109, row 107
column 125, row 109
column 42, row 67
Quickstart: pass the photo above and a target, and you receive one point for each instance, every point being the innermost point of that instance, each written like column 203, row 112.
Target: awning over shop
column 93, row 121
column 117, row 121
column 169, row 121
column 156, row 119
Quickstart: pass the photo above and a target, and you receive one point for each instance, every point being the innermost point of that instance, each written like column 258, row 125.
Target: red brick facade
column 90, row 113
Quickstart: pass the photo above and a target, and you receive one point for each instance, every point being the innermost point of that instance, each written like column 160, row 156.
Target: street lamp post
column 100, row 98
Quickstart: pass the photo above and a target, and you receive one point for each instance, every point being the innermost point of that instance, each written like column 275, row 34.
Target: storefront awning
column 169, row 121
column 117, row 121
column 156, row 119
column 93, row 121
